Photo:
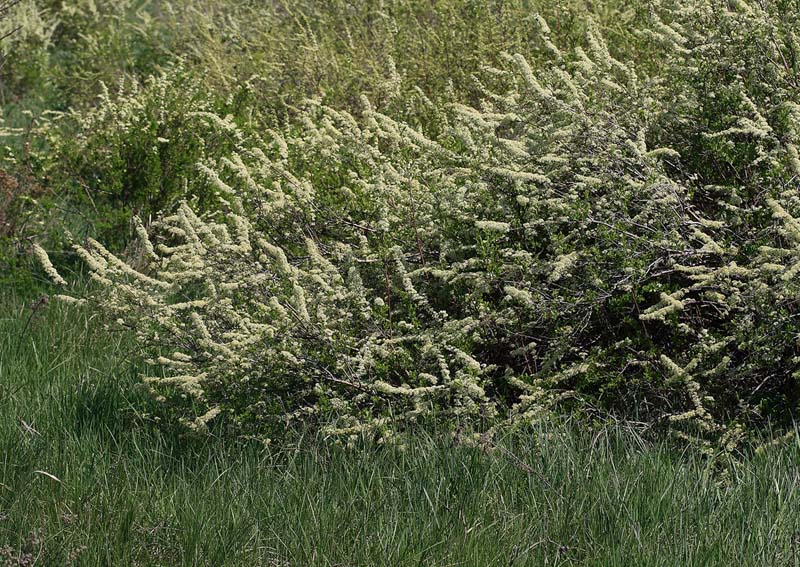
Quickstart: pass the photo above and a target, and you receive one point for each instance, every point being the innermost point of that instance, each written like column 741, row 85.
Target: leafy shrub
column 588, row 229
column 27, row 34
column 135, row 152
column 146, row 54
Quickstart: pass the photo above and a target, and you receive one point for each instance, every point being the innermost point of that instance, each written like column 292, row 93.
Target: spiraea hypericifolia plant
column 553, row 241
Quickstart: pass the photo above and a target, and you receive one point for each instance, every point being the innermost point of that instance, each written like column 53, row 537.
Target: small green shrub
column 135, row 152
column 27, row 33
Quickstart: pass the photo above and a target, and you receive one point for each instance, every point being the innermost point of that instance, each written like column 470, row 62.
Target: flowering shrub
column 135, row 151
column 561, row 238
column 121, row 74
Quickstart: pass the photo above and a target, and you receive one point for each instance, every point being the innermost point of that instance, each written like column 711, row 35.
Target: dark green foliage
column 137, row 152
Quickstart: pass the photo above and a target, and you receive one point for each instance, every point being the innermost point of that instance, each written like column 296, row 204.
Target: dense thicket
column 85, row 102
column 558, row 210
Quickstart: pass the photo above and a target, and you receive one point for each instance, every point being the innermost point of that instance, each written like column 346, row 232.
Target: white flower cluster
column 544, row 243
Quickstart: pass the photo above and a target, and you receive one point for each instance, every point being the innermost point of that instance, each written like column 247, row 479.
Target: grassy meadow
column 87, row 479
column 399, row 283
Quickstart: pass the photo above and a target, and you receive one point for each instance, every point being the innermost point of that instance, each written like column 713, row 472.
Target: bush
column 120, row 74
column 135, row 152
column 589, row 230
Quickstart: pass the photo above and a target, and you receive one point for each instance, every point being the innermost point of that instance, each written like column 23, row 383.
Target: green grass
column 83, row 474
